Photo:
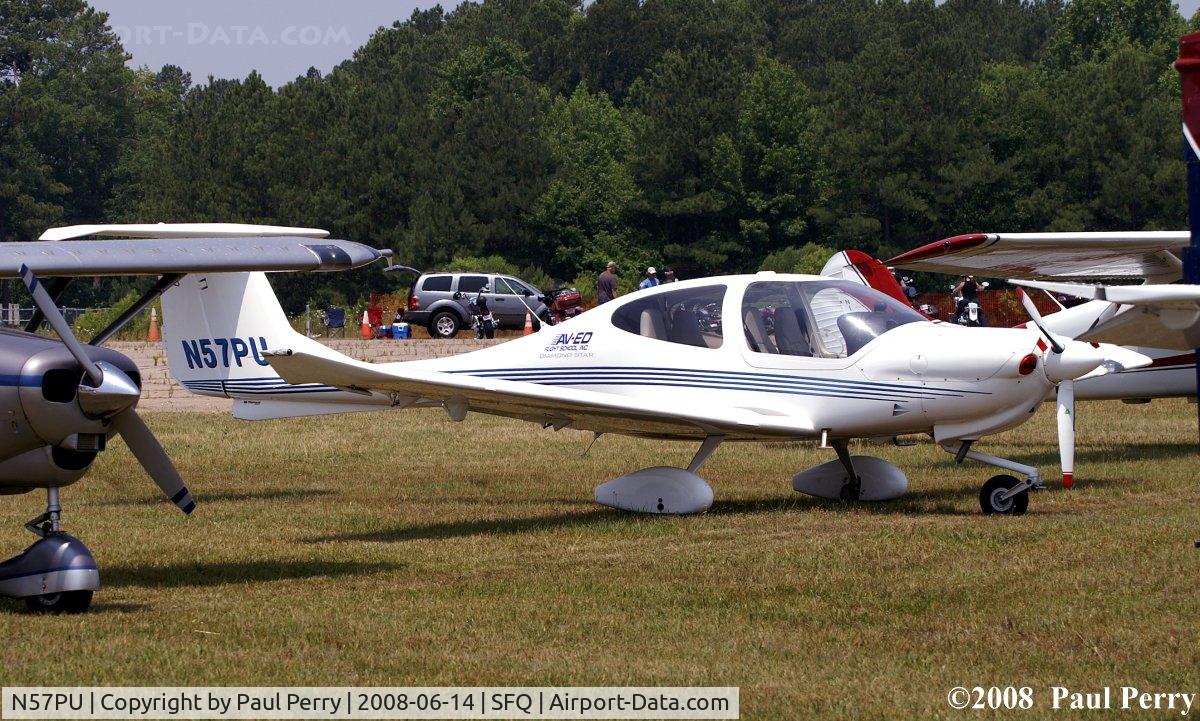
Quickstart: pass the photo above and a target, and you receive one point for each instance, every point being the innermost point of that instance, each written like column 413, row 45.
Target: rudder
column 217, row 328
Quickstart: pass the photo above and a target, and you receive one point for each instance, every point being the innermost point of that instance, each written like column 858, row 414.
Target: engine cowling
column 49, row 395
column 46, row 437
column 43, row 467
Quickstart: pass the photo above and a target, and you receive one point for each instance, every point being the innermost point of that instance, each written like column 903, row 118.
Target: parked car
column 431, row 301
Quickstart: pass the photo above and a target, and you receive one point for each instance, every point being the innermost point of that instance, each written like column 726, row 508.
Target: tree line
column 713, row 136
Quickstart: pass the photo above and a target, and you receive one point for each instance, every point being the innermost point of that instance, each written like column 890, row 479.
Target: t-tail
column 217, row 330
column 858, row 267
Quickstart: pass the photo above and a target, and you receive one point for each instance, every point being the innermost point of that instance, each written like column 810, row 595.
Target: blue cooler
column 401, row 331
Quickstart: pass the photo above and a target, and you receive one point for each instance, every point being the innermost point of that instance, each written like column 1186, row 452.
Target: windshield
column 818, row 318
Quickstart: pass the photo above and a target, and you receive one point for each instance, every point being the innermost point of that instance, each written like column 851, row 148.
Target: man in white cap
column 650, row 280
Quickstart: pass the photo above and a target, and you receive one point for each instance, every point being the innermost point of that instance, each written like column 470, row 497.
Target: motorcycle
column 483, row 321
column 969, row 314
column 562, row 304
column 768, row 319
column 709, row 318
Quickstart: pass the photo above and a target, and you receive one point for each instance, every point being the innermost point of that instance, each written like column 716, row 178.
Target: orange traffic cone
column 367, row 333
column 154, row 335
column 528, row 323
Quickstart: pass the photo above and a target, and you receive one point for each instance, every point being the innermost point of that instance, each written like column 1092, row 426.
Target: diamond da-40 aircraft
column 733, row 358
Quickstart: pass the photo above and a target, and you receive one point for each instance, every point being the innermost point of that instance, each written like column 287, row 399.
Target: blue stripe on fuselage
column 711, row 379
column 21, row 381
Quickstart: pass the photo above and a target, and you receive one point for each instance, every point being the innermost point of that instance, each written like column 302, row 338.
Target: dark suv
column 431, row 302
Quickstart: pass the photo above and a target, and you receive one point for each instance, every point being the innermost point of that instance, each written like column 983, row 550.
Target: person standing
column 606, row 284
column 650, row 280
column 967, row 292
column 668, row 275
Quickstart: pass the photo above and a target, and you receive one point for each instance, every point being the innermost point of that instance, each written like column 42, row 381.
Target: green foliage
column 775, row 151
column 472, row 76
column 94, row 321
column 584, row 209
column 714, row 136
column 1092, row 30
column 489, row 264
column 64, row 112
column 809, row 258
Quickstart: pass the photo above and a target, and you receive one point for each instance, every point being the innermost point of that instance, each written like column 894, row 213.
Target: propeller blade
column 1036, row 316
column 46, row 305
column 1066, row 431
column 154, row 459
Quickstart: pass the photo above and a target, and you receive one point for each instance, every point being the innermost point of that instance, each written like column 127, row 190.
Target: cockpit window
column 818, row 318
column 691, row 316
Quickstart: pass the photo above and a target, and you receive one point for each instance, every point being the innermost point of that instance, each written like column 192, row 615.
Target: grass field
column 403, row 549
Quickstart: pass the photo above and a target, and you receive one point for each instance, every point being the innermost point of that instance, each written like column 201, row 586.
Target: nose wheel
column 1004, row 494
column 65, row 602
column 57, row 574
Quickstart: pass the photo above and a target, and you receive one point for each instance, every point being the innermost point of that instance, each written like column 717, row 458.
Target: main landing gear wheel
column 991, row 497
column 65, row 602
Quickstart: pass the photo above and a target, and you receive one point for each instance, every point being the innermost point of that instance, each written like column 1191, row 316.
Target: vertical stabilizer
column 858, row 267
column 217, row 329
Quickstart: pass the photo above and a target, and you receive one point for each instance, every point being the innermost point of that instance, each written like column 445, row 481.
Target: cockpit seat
column 756, row 333
column 652, row 325
column 789, row 336
column 686, row 328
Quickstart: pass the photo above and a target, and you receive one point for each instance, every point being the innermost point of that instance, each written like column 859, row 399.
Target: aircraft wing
column 156, row 256
column 547, row 405
column 178, row 230
column 1053, row 256
column 1157, row 316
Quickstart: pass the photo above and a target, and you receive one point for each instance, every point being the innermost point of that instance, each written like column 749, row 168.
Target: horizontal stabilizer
column 247, row 410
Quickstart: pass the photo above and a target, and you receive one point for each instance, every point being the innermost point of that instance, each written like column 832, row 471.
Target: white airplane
column 734, row 358
column 1160, row 319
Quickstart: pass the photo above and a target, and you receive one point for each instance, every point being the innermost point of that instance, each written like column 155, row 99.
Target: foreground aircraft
column 734, row 358
column 1160, row 319
column 65, row 399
